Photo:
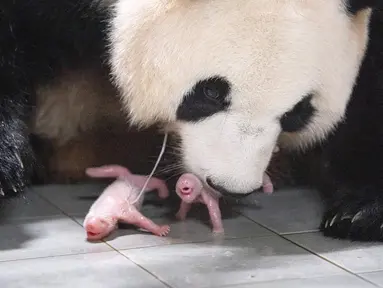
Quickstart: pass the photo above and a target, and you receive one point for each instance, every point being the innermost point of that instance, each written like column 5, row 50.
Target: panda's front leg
column 353, row 193
column 16, row 154
column 355, row 214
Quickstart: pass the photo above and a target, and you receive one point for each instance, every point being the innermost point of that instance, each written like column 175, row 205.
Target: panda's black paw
column 354, row 219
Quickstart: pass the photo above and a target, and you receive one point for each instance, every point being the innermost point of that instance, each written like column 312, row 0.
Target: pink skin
column 190, row 189
column 267, row 185
column 116, row 203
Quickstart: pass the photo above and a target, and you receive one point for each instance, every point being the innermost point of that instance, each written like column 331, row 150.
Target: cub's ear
column 354, row 6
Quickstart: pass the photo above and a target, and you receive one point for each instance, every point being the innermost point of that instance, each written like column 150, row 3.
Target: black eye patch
column 299, row 116
column 206, row 98
column 354, row 6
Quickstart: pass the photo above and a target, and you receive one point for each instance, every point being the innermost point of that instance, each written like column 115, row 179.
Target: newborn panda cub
column 121, row 202
column 191, row 190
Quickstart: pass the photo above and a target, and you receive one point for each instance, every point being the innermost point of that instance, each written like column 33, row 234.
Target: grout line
column 300, row 232
column 73, row 218
column 283, row 281
column 329, row 261
column 55, row 256
column 361, row 275
column 50, row 203
column 260, row 224
column 209, row 241
column 310, row 251
column 86, row 253
column 283, row 236
column 138, row 265
column 58, row 208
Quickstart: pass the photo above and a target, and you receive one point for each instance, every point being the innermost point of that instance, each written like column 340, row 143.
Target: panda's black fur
column 38, row 40
column 352, row 159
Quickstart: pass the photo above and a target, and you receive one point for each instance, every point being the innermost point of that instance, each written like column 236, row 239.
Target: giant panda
column 60, row 112
column 233, row 79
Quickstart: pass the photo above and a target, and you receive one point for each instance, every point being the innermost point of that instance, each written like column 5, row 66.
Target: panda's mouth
column 218, row 191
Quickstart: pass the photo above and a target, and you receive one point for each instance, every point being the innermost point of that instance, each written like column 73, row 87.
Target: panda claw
column 357, row 216
column 19, row 159
column 346, row 216
column 333, row 220
column 355, row 220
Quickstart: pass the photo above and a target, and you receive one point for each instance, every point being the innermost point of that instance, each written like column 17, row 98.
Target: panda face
column 234, row 78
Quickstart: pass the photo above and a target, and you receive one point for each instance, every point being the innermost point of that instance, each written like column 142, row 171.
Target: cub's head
column 234, row 78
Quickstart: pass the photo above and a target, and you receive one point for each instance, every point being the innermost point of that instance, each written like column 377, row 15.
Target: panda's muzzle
column 224, row 192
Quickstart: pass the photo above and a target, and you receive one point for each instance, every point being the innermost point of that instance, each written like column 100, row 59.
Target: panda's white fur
column 273, row 52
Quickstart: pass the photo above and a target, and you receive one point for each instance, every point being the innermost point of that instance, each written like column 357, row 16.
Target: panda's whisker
column 173, row 153
column 170, row 168
column 166, row 171
column 175, row 149
column 166, row 156
column 171, row 177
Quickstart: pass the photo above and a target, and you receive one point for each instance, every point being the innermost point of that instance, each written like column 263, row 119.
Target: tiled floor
column 273, row 244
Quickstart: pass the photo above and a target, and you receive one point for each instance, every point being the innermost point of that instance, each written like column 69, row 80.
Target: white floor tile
column 247, row 256
column 354, row 256
column 348, row 281
column 72, row 199
column 44, row 237
column 28, row 205
column 76, row 200
column 98, row 270
column 235, row 261
column 287, row 211
column 190, row 230
column 374, row 277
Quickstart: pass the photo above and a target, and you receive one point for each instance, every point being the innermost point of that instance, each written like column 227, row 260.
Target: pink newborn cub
column 117, row 203
column 190, row 189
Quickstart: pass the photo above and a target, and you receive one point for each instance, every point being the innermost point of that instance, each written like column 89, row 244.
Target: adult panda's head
column 233, row 78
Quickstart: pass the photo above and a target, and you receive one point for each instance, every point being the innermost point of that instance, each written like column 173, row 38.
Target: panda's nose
column 222, row 190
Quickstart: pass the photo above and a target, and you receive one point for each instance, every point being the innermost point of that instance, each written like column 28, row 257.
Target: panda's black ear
column 354, row 6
